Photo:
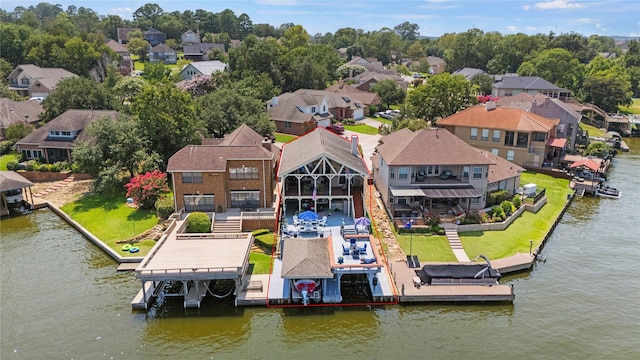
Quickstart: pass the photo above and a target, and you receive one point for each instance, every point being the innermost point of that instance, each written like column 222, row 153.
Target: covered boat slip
column 194, row 261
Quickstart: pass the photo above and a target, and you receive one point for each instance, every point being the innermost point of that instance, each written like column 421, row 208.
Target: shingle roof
column 11, row 180
column 306, row 258
column 49, row 77
column 365, row 97
column 115, row 46
column 200, row 49
column 13, row 112
column 468, row 73
column 243, row 135
column 162, row 48
column 213, row 157
column 503, row 169
column 315, row 144
column 123, row 33
column 499, row 118
column 427, row 146
column 70, row 120
column 525, row 82
column 288, row 108
column 207, row 67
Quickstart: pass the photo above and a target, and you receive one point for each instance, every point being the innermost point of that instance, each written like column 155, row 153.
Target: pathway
column 451, row 231
column 55, row 186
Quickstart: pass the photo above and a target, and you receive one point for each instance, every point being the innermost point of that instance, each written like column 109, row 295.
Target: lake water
column 61, row 298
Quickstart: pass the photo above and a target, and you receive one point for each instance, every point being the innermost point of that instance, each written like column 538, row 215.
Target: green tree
column 294, row 37
column 557, row 66
column 389, row 92
column 407, row 31
column 441, row 96
column 415, row 51
column 77, row 93
column 148, row 15
column 128, row 87
column 14, row 42
column 62, row 26
column 167, row 119
column 576, row 44
column 138, row 46
column 17, row 131
column 344, row 37
column 346, row 71
column 157, row 72
column 484, row 83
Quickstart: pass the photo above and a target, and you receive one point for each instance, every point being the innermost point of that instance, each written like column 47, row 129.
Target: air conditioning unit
column 530, row 189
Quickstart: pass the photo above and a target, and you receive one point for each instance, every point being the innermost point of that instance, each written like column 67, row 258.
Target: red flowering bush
column 146, row 189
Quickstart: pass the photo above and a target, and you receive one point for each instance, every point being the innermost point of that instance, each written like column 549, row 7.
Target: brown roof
column 118, row 48
column 49, row 77
column 306, row 258
column 70, row 120
column 502, row 169
column 243, row 135
column 162, row 48
column 499, row 118
column 123, row 33
column 13, row 112
column 317, row 143
column 365, row 97
column 11, row 180
column 213, row 157
column 521, row 100
column 288, row 108
column 428, row 146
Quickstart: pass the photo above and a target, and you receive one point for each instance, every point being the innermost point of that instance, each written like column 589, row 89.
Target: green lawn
column 633, row 109
column 5, row 159
column 260, row 262
column 593, row 131
column 362, row 129
column 285, row 138
column 108, row 217
column 427, row 247
column 529, row 226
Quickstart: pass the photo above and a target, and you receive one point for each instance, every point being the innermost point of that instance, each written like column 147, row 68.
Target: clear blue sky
column 435, row 17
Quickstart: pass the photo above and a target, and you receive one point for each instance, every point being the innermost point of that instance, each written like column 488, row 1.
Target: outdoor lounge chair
column 345, row 249
column 322, row 222
column 363, row 250
column 296, row 221
column 446, row 174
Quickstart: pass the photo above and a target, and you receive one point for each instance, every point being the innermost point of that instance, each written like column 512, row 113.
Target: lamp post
column 530, row 246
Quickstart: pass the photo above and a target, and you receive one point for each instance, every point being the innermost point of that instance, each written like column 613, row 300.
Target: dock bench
column 253, row 285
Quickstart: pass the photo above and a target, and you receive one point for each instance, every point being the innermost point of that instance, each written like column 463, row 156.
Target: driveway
column 367, row 142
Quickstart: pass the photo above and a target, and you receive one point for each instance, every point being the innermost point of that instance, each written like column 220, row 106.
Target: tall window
column 485, row 134
column 191, row 177
column 199, row 203
column 244, row 198
column 246, row 172
column 287, row 124
column 508, row 138
column 477, row 172
column 523, row 140
column 403, row 173
column 496, row 135
column 539, row 136
column 465, row 171
column 511, row 155
column 474, row 134
column 495, row 152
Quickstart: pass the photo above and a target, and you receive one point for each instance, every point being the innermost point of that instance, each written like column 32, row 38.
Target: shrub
column 148, row 188
column 260, row 232
column 473, row 217
column 13, row 166
column 497, row 214
column 164, row 207
column 507, row 207
column 31, row 165
column 496, row 197
column 53, row 167
column 43, row 167
column 198, row 222
column 432, row 220
column 5, row 147
column 517, row 201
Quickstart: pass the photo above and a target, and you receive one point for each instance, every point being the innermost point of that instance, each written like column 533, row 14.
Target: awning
column 439, row 193
column 556, row 142
column 589, row 163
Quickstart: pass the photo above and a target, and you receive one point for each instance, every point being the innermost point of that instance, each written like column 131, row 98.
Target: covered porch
column 420, row 202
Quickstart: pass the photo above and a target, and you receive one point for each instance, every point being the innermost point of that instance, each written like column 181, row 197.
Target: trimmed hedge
column 164, row 207
column 198, row 222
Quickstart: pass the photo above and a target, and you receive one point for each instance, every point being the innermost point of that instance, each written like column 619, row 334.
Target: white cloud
column 526, row 7
column 278, row 2
column 583, row 21
column 512, row 28
column 125, row 10
column 558, row 4
column 531, row 28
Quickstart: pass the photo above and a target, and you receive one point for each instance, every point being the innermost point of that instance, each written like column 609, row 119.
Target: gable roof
column 306, row 258
column 526, row 83
column 243, row 135
column 200, row 49
column 207, row 67
column 123, row 33
column 11, row 180
column 365, row 97
column 46, row 76
column 70, row 120
column 521, row 100
column 499, row 118
column 14, row 112
column 314, row 145
column 287, row 107
column 115, row 46
column 335, row 100
column 153, row 31
column 162, row 48
column 468, row 73
column 428, row 146
column 556, row 108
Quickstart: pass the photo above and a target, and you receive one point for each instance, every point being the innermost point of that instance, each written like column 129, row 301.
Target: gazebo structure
column 11, row 190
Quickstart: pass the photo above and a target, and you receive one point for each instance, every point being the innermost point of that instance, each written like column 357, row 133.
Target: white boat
column 607, row 191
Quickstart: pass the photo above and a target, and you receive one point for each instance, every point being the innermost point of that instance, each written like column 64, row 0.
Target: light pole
column 530, row 246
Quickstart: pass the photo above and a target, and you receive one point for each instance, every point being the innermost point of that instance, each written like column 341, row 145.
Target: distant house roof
column 115, row 46
column 123, row 33
column 190, row 33
column 315, row 144
column 335, row 100
column 306, row 258
column 521, row 100
column 207, row 67
column 369, row 75
column 438, row 65
column 242, row 143
column 503, row 169
column 406, row 147
column 499, row 118
column 365, row 97
column 287, row 107
column 469, row 73
column 200, row 49
column 153, row 31
column 11, row 180
column 162, row 48
column 525, row 83
column 14, row 112
column 71, row 120
column 49, row 77
column 234, row 43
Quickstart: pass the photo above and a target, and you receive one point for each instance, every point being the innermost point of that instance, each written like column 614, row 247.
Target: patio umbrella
column 308, row 216
column 362, row 221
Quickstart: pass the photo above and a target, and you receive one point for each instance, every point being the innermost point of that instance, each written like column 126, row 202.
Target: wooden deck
column 410, row 292
column 515, row 263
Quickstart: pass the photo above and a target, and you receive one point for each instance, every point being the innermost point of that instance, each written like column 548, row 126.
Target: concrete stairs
column 229, row 225
column 451, row 232
column 60, row 184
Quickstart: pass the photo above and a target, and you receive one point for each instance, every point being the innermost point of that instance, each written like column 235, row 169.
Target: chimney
column 354, row 145
column 490, row 106
column 274, row 101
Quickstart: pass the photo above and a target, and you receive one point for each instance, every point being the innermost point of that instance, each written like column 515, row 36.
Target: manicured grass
column 529, row 226
column 259, row 263
column 593, row 131
column 108, row 217
column 633, row 109
column 428, row 248
column 285, row 138
column 5, row 159
column 362, row 129
column 382, row 120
